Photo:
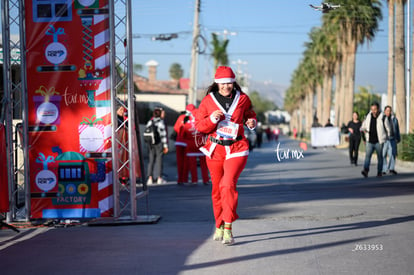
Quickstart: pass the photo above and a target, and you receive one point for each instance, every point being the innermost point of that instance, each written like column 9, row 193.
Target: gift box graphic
column 56, row 53
column 91, row 135
column 89, row 82
column 46, row 176
column 47, row 106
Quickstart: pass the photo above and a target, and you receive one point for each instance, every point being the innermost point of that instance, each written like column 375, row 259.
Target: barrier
column 324, row 136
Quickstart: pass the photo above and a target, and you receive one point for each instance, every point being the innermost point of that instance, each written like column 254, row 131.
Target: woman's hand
column 217, row 114
column 250, row 123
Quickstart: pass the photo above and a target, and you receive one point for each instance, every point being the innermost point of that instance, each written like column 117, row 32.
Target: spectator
column 329, row 124
column 375, row 136
column 276, row 133
column 316, row 122
column 392, row 130
column 157, row 150
column 295, row 132
column 268, row 133
column 353, row 128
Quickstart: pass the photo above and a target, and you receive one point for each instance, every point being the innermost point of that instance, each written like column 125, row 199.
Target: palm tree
column 357, row 21
column 390, row 89
column 400, row 107
column 314, row 51
column 219, row 51
column 330, row 58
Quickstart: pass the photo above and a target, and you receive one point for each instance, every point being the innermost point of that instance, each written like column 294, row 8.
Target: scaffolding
column 122, row 94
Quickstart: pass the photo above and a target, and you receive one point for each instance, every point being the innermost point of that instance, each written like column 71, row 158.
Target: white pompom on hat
column 224, row 74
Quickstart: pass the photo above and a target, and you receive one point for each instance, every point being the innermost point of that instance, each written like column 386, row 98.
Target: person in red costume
column 194, row 140
column 221, row 115
column 180, row 145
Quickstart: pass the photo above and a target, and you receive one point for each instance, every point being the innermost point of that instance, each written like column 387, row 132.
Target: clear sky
column 270, row 38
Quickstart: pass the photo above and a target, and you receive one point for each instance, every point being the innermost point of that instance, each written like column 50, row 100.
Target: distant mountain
column 268, row 90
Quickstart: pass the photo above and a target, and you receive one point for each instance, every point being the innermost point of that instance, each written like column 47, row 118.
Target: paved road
column 314, row 214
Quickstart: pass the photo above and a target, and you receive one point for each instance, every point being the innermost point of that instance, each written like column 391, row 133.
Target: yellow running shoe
column 228, row 237
column 218, row 235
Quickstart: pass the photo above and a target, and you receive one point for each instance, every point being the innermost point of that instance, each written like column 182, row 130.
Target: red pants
column 180, row 152
column 224, row 175
column 192, row 168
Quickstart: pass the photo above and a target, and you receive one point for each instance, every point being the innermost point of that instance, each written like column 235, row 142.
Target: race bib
column 227, row 129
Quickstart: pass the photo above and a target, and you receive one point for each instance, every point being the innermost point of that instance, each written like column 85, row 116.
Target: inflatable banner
column 69, row 108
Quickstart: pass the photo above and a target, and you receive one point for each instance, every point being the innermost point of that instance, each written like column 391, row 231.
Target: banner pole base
column 127, row 220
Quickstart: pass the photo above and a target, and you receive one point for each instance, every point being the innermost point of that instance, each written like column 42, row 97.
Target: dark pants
column 155, row 160
column 353, row 148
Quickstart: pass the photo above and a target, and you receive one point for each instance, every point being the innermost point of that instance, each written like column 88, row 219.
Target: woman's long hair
column 214, row 87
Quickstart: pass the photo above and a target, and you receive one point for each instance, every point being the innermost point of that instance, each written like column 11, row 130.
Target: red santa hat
column 224, row 75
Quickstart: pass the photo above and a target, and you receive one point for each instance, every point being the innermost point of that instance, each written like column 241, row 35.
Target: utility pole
column 192, row 92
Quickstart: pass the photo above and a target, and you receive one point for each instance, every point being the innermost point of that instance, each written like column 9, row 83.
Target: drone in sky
column 325, row 7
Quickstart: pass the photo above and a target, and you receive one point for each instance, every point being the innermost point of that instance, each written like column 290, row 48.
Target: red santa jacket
column 192, row 139
column 240, row 111
column 179, row 140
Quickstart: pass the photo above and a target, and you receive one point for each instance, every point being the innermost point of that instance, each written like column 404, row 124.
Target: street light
column 225, row 33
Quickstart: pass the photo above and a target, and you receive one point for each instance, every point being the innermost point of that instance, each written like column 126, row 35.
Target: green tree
column 261, row 105
column 219, row 53
column 176, row 71
column 137, row 68
column 363, row 100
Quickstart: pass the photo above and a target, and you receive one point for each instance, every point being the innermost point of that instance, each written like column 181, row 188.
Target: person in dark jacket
column 354, row 127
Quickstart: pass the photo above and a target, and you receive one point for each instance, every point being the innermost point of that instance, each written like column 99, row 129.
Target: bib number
column 228, row 129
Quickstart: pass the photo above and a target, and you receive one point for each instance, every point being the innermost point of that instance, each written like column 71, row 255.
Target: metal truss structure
column 122, row 94
column 15, row 106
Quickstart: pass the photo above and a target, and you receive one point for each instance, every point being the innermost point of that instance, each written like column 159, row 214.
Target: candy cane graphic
column 95, row 54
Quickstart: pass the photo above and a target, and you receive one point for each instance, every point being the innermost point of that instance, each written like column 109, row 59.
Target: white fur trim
column 225, row 80
column 238, row 154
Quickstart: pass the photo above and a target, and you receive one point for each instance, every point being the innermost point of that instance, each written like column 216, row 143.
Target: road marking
column 36, row 232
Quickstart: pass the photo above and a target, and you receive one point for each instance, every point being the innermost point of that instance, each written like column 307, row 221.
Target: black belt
column 225, row 142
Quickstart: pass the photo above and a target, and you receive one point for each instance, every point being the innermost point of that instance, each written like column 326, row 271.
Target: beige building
column 165, row 93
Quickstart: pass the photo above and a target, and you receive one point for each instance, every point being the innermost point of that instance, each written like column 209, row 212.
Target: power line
column 249, row 53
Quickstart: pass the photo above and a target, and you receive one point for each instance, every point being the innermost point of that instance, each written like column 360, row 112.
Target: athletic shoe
column 364, row 173
column 393, row 172
column 149, row 181
column 218, row 235
column 228, row 237
column 161, row 180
